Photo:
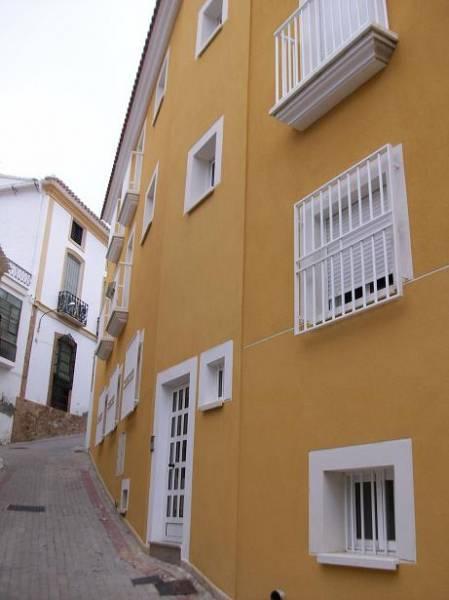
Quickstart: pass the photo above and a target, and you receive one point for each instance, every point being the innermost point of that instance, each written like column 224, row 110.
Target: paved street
column 78, row 549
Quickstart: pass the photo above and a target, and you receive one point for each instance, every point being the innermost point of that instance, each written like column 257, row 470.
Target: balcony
column 116, row 242
column 119, row 300
column 105, row 341
column 323, row 52
column 72, row 308
column 19, row 274
column 131, row 189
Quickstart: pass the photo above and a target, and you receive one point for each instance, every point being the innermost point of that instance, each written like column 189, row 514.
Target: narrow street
column 74, row 546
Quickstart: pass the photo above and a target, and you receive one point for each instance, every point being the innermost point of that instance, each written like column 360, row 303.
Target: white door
column 177, row 463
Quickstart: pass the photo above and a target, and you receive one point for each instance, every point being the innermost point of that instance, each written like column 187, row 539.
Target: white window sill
column 364, row 561
column 195, row 203
column 209, row 40
column 211, row 405
column 6, row 364
column 145, row 233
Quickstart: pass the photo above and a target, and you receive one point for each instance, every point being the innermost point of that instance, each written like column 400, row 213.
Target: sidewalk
column 77, row 548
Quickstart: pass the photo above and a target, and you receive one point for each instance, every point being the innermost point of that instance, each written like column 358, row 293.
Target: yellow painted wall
column 225, row 271
column 376, row 376
column 187, row 282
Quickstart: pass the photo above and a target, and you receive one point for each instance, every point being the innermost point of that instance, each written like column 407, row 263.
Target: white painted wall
column 41, row 359
column 23, row 213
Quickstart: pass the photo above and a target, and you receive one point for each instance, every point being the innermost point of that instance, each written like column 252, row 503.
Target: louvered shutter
column 72, row 273
column 130, row 377
column 112, row 403
column 371, row 245
column 99, row 434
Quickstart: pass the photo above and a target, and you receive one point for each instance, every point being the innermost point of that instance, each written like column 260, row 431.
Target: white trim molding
column 161, row 87
column 204, row 163
column 148, row 211
column 327, row 503
column 183, row 373
column 211, row 17
column 215, row 381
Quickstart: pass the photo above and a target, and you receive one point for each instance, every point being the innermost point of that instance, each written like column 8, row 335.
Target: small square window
column 161, row 87
column 77, row 233
column 211, row 17
column 361, row 505
column 204, row 166
column 215, row 376
column 150, row 201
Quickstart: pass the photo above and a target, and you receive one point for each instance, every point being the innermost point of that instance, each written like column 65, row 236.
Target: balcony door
column 63, row 368
column 72, row 275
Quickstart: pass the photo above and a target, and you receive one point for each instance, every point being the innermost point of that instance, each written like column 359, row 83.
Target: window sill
column 6, row 364
column 210, row 405
column 194, row 203
column 384, row 563
column 145, row 232
column 209, row 40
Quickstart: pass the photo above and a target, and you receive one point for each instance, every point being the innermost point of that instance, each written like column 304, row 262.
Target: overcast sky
column 66, row 74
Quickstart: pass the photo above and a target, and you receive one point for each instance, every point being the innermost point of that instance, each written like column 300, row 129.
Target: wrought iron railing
column 19, row 274
column 71, row 305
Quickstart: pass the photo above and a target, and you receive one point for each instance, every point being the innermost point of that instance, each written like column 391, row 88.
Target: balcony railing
column 119, row 301
column 131, row 188
column 319, row 33
column 72, row 307
column 19, row 274
column 105, row 341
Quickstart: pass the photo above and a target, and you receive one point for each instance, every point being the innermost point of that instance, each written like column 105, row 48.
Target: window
column 10, row 309
column 204, row 166
column 352, row 242
column 215, row 376
column 211, row 17
column 361, row 505
column 121, row 451
column 72, row 275
column 77, row 233
column 114, row 391
column 132, row 374
column 161, row 87
column 101, row 410
column 150, row 201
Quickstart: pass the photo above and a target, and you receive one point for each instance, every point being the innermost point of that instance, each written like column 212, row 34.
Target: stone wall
column 34, row 421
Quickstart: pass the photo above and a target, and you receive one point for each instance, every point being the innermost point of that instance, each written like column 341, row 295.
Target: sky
column 66, row 73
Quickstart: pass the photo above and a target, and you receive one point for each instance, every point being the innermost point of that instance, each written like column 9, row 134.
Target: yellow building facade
column 269, row 401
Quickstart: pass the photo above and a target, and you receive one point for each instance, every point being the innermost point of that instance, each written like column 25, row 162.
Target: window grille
column 76, row 233
column 349, row 254
column 369, row 511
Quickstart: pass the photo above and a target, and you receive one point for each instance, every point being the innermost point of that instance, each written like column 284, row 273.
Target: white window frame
column 315, row 259
column 214, row 360
column 161, row 87
column 200, row 168
column 166, row 380
column 121, row 454
column 148, row 213
column 203, row 40
column 327, row 524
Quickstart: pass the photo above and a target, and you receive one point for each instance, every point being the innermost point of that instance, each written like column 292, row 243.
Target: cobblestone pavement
column 78, row 549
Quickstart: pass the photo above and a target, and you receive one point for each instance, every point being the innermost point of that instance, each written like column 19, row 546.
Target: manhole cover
column 25, row 508
column 181, row 587
column 153, row 579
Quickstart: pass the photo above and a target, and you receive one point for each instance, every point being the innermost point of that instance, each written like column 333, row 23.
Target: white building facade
column 49, row 297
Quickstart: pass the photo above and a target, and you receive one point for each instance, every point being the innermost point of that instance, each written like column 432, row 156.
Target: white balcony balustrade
column 120, row 299
column 131, row 188
column 323, row 52
column 116, row 241
column 105, row 341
